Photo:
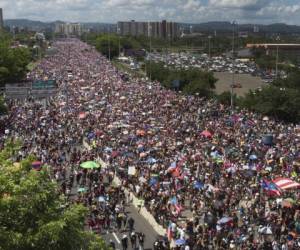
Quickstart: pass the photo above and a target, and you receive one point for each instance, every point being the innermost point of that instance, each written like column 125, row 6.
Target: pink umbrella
column 82, row 115
column 206, row 134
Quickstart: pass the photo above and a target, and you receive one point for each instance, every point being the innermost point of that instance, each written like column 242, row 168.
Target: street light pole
column 277, row 39
column 150, row 34
column 119, row 32
column 109, row 43
column 233, row 69
column 209, row 37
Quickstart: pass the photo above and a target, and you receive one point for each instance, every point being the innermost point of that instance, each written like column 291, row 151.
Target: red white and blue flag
column 270, row 188
column 286, row 183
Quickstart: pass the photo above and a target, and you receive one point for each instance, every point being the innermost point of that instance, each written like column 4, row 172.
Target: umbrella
column 101, row 199
column 81, row 190
column 224, row 220
column 82, row 115
column 91, row 135
column 173, row 200
column 36, row 164
column 153, row 181
column 89, row 165
column 253, row 157
column 151, row 160
column 266, row 231
column 180, row 242
column 266, row 118
column 198, row 185
column 206, row 134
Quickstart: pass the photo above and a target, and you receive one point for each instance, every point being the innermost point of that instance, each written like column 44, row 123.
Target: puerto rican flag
column 169, row 232
column 271, row 188
column 286, row 183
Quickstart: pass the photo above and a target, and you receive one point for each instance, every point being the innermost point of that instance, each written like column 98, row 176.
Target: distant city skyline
column 188, row 11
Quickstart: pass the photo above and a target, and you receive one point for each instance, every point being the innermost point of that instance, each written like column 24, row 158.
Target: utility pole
column 150, row 45
column 209, row 48
column 277, row 39
column 108, row 43
column 119, row 33
column 233, row 67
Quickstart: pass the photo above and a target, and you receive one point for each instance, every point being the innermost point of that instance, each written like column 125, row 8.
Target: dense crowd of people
column 202, row 171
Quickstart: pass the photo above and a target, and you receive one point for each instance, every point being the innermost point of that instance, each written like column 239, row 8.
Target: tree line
column 13, row 61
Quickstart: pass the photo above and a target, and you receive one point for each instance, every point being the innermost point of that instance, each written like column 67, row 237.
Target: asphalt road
column 140, row 225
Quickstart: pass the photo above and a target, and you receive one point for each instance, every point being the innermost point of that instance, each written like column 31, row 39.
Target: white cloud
column 258, row 11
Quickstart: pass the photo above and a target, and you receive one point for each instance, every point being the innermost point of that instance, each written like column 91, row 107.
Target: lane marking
column 116, row 237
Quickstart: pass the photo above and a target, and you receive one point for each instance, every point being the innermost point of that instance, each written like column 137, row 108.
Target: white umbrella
column 266, row 231
column 266, row 118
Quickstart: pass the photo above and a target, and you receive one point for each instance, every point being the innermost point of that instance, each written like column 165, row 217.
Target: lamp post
column 150, row 45
column 233, row 68
column 119, row 33
column 277, row 39
column 209, row 38
column 108, row 43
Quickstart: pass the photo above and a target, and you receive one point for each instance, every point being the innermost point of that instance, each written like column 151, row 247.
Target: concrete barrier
column 143, row 211
column 135, row 201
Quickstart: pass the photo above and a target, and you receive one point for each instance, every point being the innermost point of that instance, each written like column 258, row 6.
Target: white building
column 69, row 29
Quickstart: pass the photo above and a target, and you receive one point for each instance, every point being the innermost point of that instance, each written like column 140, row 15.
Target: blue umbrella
column 151, row 160
column 174, row 200
column 253, row 157
column 91, row 135
column 107, row 149
column 180, row 242
column 101, row 199
column 153, row 181
column 198, row 185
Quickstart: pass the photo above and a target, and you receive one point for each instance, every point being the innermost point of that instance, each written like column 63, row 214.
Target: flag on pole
column 169, row 231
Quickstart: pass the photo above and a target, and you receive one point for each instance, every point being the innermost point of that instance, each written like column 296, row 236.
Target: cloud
column 258, row 11
column 240, row 4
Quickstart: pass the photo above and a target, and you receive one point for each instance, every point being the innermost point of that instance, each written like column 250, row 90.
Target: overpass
column 36, row 90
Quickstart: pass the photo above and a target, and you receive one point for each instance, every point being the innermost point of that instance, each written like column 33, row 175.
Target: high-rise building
column 69, row 29
column 164, row 29
column 1, row 19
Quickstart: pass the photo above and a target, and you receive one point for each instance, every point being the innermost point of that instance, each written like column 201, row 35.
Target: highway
column 140, row 225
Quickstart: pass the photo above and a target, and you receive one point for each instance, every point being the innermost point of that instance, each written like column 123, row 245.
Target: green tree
column 281, row 103
column 192, row 81
column 3, row 108
column 108, row 44
column 225, row 98
column 13, row 62
column 33, row 215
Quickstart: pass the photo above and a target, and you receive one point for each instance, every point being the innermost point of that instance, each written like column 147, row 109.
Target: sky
column 188, row 11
